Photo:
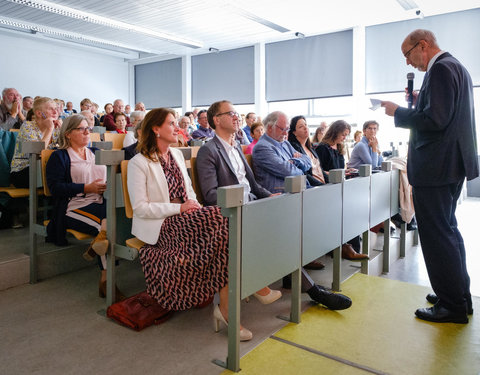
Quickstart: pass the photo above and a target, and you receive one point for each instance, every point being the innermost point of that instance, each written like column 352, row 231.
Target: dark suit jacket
column 215, row 170
column 130, row 151
column 442, row 148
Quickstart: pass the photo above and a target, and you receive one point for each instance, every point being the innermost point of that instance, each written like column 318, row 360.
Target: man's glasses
column 230, row 113
column 283, row 130
column 84, row 129
column 407, row 54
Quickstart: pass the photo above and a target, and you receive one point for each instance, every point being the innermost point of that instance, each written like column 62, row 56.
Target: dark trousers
column 442, row 244
column 20, row 179
column 307, row 282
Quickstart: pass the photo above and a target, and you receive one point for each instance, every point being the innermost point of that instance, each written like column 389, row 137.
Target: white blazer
column 148, row 190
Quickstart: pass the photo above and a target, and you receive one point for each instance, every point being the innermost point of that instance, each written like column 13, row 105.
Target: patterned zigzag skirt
column 189, row 263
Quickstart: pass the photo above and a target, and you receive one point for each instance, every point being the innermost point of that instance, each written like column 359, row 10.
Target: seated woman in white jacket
column 185, row 259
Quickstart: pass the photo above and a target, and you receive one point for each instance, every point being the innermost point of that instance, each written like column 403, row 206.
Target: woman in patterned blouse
column 45, row 128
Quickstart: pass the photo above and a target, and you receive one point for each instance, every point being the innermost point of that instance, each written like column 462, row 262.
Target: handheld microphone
column 410, row 77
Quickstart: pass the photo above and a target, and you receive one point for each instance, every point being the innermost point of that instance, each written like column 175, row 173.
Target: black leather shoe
column 315, row 265
column 432, row 298
column 397, row 220
column 334, row 301
column 412, row 225
column 439, row 314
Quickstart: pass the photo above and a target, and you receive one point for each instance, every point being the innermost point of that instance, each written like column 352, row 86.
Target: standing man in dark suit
column 442, row 153
column 220, row 162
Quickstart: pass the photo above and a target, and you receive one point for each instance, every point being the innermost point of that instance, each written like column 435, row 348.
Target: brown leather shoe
column 315, row 265
column 350, row 254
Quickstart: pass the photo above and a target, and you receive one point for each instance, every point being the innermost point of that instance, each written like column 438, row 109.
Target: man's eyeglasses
column 407, row 54
column 84, row 129
column 283, row 130
column 230, row 113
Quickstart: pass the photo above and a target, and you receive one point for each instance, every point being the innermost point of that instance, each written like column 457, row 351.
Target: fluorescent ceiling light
column 93, row 18
column 64, row 35
column 255, row 18
column 408, row 4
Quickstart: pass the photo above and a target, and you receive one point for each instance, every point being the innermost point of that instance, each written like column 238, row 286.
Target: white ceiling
column 221, row 24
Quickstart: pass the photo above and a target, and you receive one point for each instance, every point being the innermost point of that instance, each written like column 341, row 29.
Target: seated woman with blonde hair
column 45, row 127
column 185, row 259
column 77, row 185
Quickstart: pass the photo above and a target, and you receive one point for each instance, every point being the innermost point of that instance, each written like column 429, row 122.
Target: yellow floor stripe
column 379, row 332
column 276, row 358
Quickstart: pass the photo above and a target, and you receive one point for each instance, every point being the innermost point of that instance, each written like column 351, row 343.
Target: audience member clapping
column 11, row 115
column 45, row 128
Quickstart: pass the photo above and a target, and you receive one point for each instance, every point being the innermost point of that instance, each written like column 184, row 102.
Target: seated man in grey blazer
column 220, row 162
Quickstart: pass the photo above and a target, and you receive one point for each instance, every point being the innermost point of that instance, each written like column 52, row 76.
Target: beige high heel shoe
column 245, row 334
column 100, row 243
column 271, row 297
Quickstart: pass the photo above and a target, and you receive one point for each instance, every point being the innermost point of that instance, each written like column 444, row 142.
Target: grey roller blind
column 314, row 67
column 228, row 75
column 386, row 68
column 159, row 84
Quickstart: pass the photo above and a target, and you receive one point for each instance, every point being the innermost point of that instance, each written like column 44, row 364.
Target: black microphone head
column 410, row 75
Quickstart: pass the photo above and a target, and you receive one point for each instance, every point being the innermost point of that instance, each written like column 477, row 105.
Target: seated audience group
column 185, row 256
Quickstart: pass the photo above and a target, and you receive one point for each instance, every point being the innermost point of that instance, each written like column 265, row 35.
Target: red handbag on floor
column 138, row 312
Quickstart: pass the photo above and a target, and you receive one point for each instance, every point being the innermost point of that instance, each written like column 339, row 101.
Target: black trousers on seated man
column 442, row 244
column 307, row 282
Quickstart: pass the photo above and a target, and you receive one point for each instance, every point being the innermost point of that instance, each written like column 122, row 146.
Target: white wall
column 35, row 66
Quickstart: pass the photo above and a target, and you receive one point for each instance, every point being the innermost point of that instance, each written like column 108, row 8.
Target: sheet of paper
column 375, row 104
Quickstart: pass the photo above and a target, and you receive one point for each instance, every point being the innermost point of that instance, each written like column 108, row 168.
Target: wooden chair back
column 249, row 160
column 95, row 137
column 126, row 197
column 44, row 156
column 195, row 184
column 116, row 139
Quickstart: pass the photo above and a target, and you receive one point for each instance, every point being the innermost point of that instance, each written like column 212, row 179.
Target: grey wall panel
column 271, row 235
column 385, row 64
column 228, row 75
column 159, row 84
column 380, row 197
column 356, row 209
column 322, row 221
column 314, row 67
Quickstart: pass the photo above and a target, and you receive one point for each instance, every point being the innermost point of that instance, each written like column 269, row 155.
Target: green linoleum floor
column 379, row 332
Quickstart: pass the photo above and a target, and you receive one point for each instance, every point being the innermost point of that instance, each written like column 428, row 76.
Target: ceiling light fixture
column 408, row 4
column 104, row 21
column 255, row 18
column 56, row 33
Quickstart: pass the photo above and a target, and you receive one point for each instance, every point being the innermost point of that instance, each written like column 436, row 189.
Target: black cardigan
column 59, row 181
column 298, row 147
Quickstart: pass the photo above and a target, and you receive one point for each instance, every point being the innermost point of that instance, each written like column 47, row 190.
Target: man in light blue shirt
column 366, row 151
column 273, row 156
column 204, row 131
column 250, row 118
